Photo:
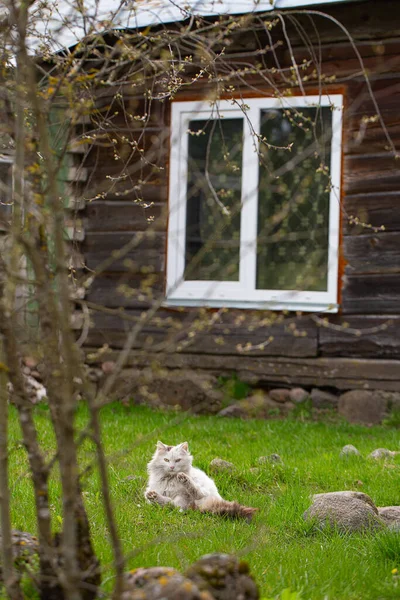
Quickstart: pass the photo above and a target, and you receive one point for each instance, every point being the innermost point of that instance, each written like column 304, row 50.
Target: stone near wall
column 349, row 450
column 183, row 389
column 160, row 583
column 362, row 406
column 280, row 395
column 347, row 511
column 392, row 399
column 257, row 406
column 218, row 464
column 322, row 399
column 391, row 516
column 108, row 367
column 382, row 453
column 298, row 395
column 224, row 577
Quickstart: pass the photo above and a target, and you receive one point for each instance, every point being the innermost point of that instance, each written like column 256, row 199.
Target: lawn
column 282, row 550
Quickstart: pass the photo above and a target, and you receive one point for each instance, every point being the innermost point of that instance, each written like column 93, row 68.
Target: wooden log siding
column 370, row 287
column 191, row 333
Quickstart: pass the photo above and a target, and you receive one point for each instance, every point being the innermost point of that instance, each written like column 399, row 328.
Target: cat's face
column 173, row 459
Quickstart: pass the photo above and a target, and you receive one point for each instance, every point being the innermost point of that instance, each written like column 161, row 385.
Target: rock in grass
column 381, row 453
column 25, row 549
column 160, row 583
column 391, row 516
column 346, row 511
column 224, row 577
column 218, row 464
column 271, row 458
column 349, row 450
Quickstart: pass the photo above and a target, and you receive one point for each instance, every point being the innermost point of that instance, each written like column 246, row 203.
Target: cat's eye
column 178, row 460
column 166, row 459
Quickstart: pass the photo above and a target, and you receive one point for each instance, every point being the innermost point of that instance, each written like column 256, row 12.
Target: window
column 254, row 203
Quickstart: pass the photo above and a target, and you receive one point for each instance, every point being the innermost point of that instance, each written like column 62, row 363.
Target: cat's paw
column 183, row 478
column 151, row 496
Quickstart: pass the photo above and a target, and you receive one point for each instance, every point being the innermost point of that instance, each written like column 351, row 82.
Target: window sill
column 317, row 307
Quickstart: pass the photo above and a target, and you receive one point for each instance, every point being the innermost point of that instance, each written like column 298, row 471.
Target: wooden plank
column 374, row 209
column 372, row 253
column 153, row 191
column 360, row 336
column 366, row 294
column 105, row 241
column 386, row 92
column 341, row 373
column 206, row 344
column 125, row 216
column 130, row 291
column 366, row 138
column 136, row 261
column 187, row 333
column 377, row 172
column 342, row 67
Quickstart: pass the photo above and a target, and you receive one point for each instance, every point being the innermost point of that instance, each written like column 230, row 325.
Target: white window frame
column 243, row 293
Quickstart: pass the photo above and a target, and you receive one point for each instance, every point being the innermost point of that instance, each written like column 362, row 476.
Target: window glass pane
column 213, row 199
column 293, row 202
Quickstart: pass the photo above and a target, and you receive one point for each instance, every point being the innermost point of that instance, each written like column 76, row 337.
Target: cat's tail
column 233, row 510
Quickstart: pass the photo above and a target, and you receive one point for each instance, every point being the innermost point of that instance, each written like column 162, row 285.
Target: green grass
column 282, row 550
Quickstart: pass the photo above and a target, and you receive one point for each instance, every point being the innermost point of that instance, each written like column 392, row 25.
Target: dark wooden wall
column 358, row 347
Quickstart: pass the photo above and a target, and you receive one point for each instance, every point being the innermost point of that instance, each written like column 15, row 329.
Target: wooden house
column 254, row 227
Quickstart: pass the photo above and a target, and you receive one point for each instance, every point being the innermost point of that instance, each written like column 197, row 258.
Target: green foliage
column 234, row 388
column 286, row 594
column 393, row 420
column 284, row 552
column 388, row 544
column 302, row 410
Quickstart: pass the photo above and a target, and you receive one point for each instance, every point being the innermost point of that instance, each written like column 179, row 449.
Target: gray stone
column 347, row 511
column 322, row 399
column 160, row 583
column 298, row 395
column 392, row 399
column 349, row 450
column 391, row 516
column 257, row 406
column 224, row 577
column 235, row 410
column 362, row 406
column 280, row 395
column 179, row 389
column 382, row 453
column 94, row 375
column 108, row 367
column 218, row 464
column 271, row 458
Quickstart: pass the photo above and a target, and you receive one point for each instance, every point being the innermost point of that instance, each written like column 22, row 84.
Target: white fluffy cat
column 172, row 479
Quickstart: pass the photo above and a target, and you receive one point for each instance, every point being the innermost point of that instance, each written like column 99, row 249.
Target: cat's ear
column 184, row 447
column 163, row 447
